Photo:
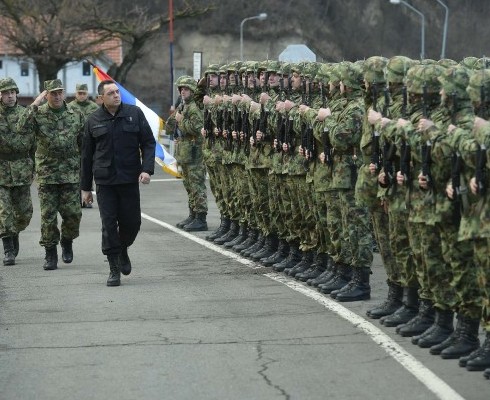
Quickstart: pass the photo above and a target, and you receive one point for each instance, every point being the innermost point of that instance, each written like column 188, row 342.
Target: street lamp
column 261, row 17
column 422, row 40
column 444, row 33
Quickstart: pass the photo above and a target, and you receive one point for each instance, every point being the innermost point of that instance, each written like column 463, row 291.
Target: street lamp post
column 444, row 32
column 422, row 40
column 261, row 17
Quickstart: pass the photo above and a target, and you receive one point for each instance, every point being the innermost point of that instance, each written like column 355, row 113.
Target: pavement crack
column 264, row 366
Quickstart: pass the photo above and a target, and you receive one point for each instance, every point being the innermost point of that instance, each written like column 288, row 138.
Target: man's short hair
column 100, row 88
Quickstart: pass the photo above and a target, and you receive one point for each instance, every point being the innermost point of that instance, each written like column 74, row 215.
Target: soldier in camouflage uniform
column 189, row 153
column 396, row 106
column 58, row 130
column 473, row 146
column 16, row 171
column 82, row 101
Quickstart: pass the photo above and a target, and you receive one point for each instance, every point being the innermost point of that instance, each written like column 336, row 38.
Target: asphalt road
column 195, row 322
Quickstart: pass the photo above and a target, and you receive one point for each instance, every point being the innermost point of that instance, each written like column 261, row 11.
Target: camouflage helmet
column 375, row 69
column 422, row 75
column 8, row 84
column 479, row 86
column 223, row 69
column 212, row 69
column 469, row 62
column 323, row 72
column 351, row 75
column 296, row 67
column 273, row 66
column 252, row 66
column 481, row 63
column 334, row 73
column 234, row 66
column 310, row 69
column 187, row 82
column 262, row 66
column 454, row 81
column 284, row 69
column 446, row 62
column 397, row 68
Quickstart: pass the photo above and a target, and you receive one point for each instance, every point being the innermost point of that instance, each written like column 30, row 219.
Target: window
column 24, row 69
column 86, row 69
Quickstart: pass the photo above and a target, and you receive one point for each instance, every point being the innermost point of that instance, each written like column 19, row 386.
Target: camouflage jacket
column 86, row 107
column 16, row 149
column 189, row 147
column 58, row 142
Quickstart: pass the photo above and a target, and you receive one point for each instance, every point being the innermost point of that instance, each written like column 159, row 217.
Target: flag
column 162, row 156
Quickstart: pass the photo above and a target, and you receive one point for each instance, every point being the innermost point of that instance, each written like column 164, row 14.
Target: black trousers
column 120, row 212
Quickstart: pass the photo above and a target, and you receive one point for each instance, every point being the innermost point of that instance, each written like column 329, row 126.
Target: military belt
column 13, row 156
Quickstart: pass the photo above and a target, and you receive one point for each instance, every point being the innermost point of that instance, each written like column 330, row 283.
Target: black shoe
column 420, row 323
column 186, row 221
column 293, row 258
column 482, row 359
column 51, row 259
column 465, row 339
column 463, row 360
column 66, row 250
column 443, row 329
column 392, row 303
column 9, row 251
column 360, row 290
column 222, row 229
column 124, row 262
column 198, row 224
column 15, row 239
column 114, row 274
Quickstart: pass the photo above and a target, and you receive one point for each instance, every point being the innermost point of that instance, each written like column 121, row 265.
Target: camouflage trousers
column 64, row 199
column 335, row 231
column 259, row 192
column 290, row 209
column 322, row 209
column 216, row 186
column 481, row 249
column 229, row 176
column 380, row 221
column 15, row 209
column 416, row 231
column 194, row 180
column 274, row 199
column 404, row 271
column 225, row 172
column 356, row 227
column 309, row 234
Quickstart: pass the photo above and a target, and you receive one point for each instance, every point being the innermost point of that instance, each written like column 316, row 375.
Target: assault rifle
column 327, row 147
column 375, row 154
column 426, row 148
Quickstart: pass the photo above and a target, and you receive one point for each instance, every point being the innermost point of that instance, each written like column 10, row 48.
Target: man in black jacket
column 118, row 152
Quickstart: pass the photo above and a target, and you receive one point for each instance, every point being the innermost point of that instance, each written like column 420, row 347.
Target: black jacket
column 116, row 149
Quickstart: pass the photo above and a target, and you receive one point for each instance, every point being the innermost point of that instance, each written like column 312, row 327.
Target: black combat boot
column 259, row 243
column 360, row 290
column 66, row 250
column 317, row 268
column 270, row 247
column 293, row 258
column 343, row 275
column 443, row 328
column 453, row 337
column 198, row 224
column 15, row 239
column 124, row 262
column 240, row 238
column 186, row 221
column 465, row 341
column 303, row 265
column 280, row 254
column 481, row 361
column 8, row 250
column 420, row 323
column 252, row 236
column 324, row 263
column 406, row 312
column 231, row 234
column 392, row 303
column 115, row 273
column 222, row 229
column 463, row 360
column 51, row 258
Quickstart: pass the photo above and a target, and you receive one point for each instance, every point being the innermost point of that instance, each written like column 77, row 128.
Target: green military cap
column 423, row 75
column 295, row 67
column 273, row 66
column 284, row 69
column 428, row 61
column 322, row 74
column 223, row 69
column 53, row 85
column 251, row 66
column 481, row 63
column 375, row 69
column 469, row 62
column 262, row 65
column 446, row 62
column 8, row 84
column 479, row 86
column 234, row 66
column 311, row 69
column 454, row 81
column 82, row 87
column 212, row 69
column 351, row 74
column 186, row 81
column 397, row 68
column 335, row 73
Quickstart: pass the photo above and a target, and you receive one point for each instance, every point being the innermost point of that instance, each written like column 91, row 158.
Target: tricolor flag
column 162, row 156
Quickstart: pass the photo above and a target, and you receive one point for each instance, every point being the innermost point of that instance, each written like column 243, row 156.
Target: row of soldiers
column 306, row 160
